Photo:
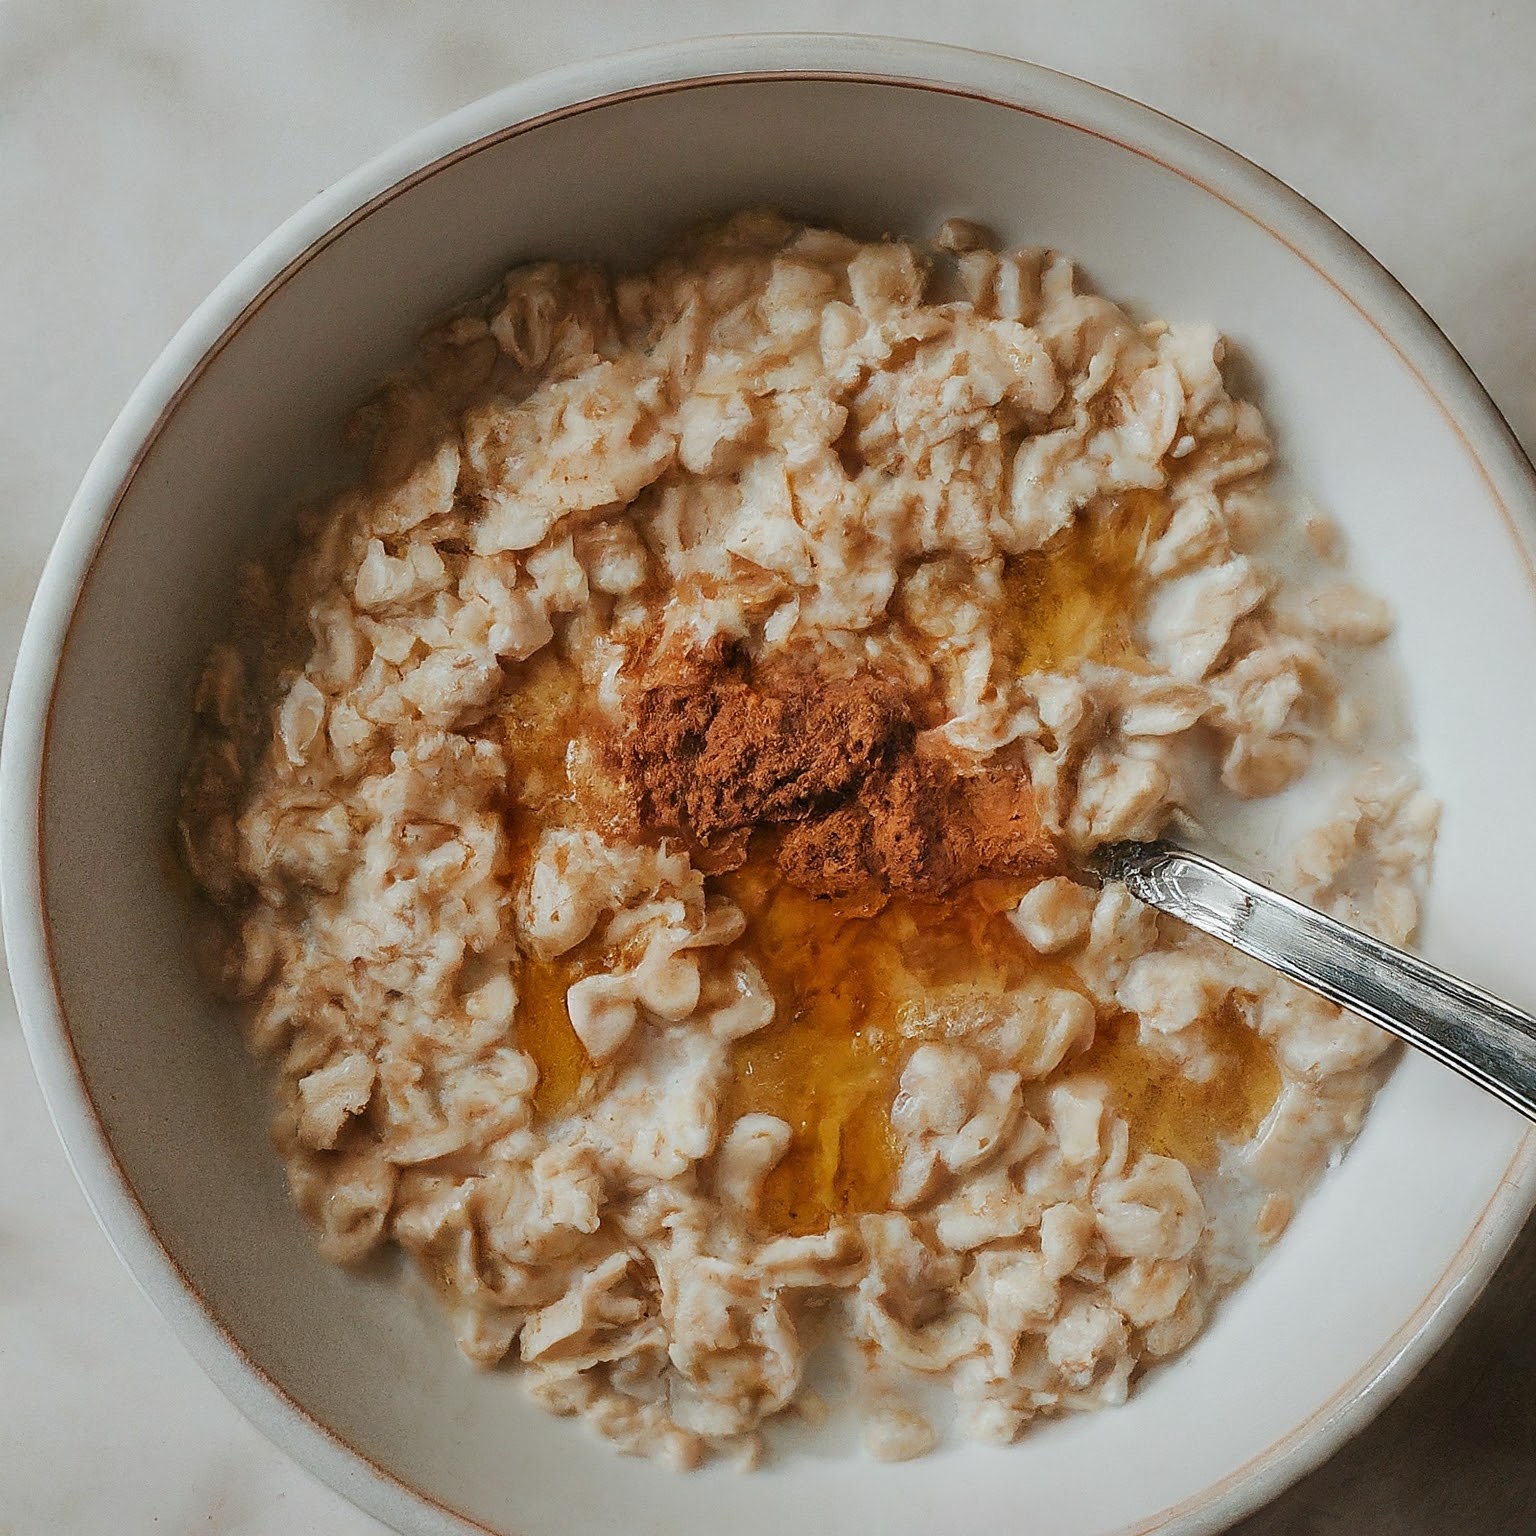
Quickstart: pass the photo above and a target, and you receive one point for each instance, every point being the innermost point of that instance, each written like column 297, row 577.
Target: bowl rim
column 518, row 108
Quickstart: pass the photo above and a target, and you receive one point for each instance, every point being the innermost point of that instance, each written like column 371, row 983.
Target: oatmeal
column 643, row 818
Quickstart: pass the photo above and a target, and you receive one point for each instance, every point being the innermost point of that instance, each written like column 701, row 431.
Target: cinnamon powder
column 836, row 765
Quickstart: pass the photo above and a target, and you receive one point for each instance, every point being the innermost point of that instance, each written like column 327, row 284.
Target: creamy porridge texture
column 642, row 818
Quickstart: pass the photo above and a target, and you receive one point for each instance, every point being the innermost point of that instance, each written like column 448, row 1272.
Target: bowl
column 165, row 1118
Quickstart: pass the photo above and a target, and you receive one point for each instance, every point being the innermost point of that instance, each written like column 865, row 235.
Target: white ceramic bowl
column 163, row 1116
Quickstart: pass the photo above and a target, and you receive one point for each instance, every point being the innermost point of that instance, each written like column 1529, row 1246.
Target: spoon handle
column 1482, row 1037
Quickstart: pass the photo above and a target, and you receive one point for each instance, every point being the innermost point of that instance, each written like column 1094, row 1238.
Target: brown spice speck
column 837, row 763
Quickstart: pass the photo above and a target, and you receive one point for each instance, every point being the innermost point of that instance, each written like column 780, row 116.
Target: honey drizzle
column 856, row 981
column 849, row 975
column 1077, row 597
column 541, row 720
column 1167, row 1111
column 544, row 1031
column 829, row 1061
column 852, row 980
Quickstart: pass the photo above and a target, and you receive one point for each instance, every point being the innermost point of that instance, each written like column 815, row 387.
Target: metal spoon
column 1476, row 1033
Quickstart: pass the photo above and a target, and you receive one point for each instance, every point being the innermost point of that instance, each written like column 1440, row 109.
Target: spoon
column 1472, row 1031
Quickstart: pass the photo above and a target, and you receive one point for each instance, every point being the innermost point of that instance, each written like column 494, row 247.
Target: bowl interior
column 184, row 1111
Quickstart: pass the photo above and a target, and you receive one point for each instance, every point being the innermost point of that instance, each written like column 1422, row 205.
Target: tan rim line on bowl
column 1368, row 1376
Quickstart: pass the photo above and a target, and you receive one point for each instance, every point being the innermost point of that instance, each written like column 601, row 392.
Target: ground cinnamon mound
column 836, row 764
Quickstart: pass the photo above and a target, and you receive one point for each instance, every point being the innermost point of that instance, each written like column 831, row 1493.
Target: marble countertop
column 146, row 145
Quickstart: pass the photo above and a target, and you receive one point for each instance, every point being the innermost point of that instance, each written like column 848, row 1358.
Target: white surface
column 144, row 147
column 179, row 1102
